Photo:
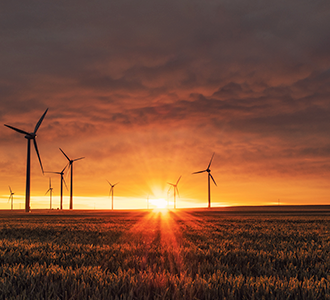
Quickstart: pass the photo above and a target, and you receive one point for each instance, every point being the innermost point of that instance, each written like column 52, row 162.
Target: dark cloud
column 249, row 80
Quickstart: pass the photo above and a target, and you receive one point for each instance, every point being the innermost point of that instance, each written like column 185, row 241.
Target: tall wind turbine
column 71, row 161
column 111, row 192
column 30, row 136
column 11, row 198
column 175, row 188
column 62, row 180
column 209, row 176
column 50, row 190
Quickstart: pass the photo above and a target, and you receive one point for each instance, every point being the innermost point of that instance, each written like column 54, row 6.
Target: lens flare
column 159, row 203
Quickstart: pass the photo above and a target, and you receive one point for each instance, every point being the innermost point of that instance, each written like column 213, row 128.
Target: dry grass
column 157, row 255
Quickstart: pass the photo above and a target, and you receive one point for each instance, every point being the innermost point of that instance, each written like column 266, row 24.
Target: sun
column 159, row 203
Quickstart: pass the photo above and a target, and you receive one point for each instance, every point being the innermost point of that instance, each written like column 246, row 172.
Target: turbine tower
column 111, row 192
column 50, row 190
column 71, row 161
column 30, row 136
column 175, row 188
column 62, row 180
column 209, row 176
column 11, row 198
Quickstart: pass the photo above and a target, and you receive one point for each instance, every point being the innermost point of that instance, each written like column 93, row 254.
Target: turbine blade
column 64, row 168
column 178, row 180
column 65, row 155
column 67, row 173
column 115, row 184
column 10, row 189
column 177, row 191
column 199, row 172
column 109, row 182
column 50, row 183
column 47, row 192
column 213, row 179
column 36, row 147
column 18, row 130
column 211, row 161
column 78, row 158
column 39, row 122
column 171, row 184
column 65, row 184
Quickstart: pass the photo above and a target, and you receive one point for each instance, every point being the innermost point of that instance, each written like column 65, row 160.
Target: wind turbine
column 111, row 192
column 30, row 136
column 62, row 180
column 175, row 188
column 209, row 176
column 11, row 198
column 71, row 161
column 50, row 190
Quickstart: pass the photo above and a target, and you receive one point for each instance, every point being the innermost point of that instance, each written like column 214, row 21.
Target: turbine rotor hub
column 30, row 136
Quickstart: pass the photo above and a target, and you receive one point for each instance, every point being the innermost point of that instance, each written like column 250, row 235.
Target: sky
column 147, row 91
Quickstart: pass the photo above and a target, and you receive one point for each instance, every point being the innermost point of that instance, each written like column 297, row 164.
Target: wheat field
column 195, row 254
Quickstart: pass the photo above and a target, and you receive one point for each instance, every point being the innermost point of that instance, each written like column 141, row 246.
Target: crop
column 164, row 255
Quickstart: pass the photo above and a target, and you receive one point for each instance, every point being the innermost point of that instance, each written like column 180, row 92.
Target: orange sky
column 149, row 91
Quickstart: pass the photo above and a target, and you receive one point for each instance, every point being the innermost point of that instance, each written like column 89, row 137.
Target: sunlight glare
column 159, row 203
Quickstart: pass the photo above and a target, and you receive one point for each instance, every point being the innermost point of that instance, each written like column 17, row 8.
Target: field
column 195, row 254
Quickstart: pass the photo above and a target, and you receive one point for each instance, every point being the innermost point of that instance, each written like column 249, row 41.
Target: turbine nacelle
column 31, row 136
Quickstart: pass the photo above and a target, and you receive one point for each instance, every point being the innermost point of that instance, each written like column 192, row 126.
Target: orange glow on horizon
column 159, row 203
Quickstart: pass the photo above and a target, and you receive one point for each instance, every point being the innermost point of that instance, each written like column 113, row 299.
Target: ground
column 234, row 253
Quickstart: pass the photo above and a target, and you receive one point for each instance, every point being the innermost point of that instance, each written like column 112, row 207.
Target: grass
column 157, row 255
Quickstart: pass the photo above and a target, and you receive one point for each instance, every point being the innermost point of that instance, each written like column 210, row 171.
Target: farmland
column 195, row 254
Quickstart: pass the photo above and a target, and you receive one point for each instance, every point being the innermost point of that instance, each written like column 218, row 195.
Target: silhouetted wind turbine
column 30, row 136
column 11, row 198
column 62, row 180
column 71, row 161
column 175, row 188
column 111, row 192
column 209, row 176
column 50, row 190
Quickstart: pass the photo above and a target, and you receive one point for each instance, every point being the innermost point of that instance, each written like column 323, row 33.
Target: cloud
column 248, row 80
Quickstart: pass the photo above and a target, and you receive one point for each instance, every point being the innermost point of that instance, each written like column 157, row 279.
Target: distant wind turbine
column 50, row 190
column 62, row 180
column 209, row 176
column 111, row 192
column 30, row 136
column 71, row 161
column 175, row 188
column 11, row 198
